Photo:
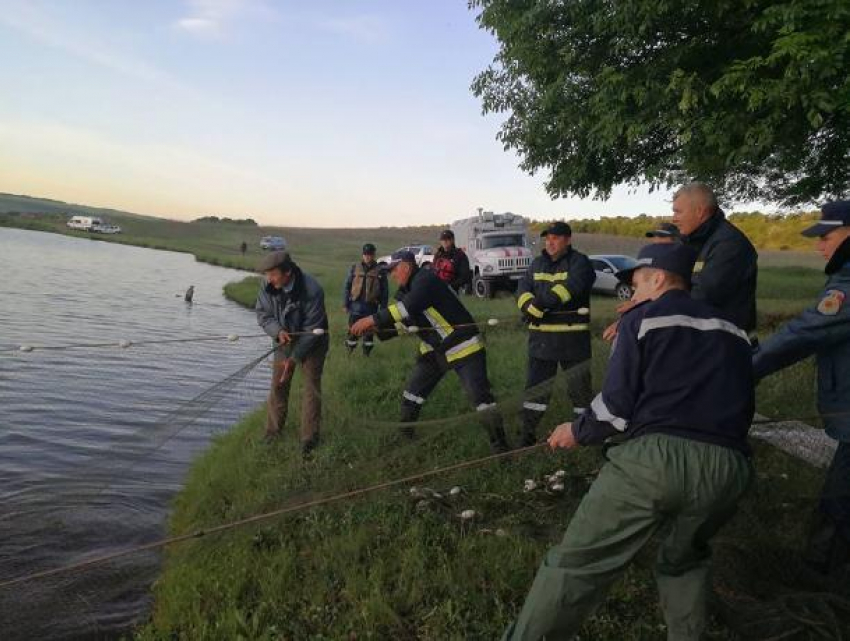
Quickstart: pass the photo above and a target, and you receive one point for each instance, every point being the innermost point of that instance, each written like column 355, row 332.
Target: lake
column 95, row 442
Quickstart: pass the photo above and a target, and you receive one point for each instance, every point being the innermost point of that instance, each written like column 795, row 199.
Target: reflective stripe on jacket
column 550, row 294
column 442, row 322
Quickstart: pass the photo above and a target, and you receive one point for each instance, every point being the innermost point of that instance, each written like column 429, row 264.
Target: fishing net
column 353, row 549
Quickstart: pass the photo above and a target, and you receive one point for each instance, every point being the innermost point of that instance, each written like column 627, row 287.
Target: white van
column 84, row 223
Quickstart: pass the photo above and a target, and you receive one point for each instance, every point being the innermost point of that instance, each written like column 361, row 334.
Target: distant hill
column 16, row 203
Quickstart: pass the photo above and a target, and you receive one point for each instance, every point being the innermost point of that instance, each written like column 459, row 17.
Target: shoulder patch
column 831, row 302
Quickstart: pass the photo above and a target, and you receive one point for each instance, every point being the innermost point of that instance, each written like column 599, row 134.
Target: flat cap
column 276, row 259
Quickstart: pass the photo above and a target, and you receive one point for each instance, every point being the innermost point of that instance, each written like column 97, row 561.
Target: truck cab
column 498, row 249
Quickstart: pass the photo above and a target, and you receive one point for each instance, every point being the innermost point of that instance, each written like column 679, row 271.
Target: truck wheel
column 623, row 292
column 482, row 288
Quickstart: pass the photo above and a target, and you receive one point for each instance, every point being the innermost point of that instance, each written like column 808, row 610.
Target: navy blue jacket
column 677, row 368
column 823, row 330
column 549, row 295
column 447, row 329
column 726, row 270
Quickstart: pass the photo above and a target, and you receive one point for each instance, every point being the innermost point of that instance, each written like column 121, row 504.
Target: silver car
column 606, row 268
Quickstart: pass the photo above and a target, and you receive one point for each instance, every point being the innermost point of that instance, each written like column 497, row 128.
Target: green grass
column 385, row 567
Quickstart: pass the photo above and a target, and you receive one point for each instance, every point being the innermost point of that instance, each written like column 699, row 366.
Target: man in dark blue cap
column 550, row 294
column 449, row 340
column 824, row 330
column 679, row 395
column 364, row 293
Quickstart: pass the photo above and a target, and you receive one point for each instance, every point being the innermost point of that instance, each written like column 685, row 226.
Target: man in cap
column 449, row 340
column 665, row 233
column 550, row 294
column 365, row 292
column 824, row 330
column 678, row 393
column 451, row 263
column 291, row 309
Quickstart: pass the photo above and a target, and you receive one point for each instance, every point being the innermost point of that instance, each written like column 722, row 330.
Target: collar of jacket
column 701, row 233
column 368, row 266
column 557, row 257
column 297, row 290
column 448, row 254
column 839, row 258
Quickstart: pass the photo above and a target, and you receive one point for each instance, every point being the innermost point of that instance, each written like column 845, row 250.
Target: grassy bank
column 390, row 566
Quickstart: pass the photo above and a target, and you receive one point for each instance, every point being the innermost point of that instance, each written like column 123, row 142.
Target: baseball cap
column 671, row 257
column 401, row 257
column 447, row 234
column 833, row 215
column 664, row 230
column 280, row 259
column 558, row 228
column 369, row 248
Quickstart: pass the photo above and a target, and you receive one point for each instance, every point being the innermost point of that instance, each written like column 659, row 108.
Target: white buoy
column 455, row 491
column 530, row 484
column 124, row 343
column 558, row 487
column 412, row 329
column 318, row 331
column 493, row 322
column 466, row 515
column 559, row 474
column 500, row 532
column 584, row 311
column 233, row 337
column 25, row 348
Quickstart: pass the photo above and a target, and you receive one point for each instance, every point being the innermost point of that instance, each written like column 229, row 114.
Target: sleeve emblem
column 831, row 302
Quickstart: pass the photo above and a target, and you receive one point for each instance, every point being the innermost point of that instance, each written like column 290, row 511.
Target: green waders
column 684, row 490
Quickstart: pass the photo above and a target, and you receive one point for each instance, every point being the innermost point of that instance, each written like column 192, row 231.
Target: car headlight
column 488, row 269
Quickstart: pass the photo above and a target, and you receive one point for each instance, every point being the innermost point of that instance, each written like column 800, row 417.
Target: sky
column 323, row 113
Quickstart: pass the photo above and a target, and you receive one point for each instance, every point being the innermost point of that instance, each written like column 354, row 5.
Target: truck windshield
column 508, row 240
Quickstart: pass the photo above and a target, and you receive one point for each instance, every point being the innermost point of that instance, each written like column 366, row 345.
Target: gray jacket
column 301, row 310
column 823, row 330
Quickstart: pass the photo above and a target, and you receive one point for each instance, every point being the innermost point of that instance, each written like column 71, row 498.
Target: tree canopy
column 751, row 96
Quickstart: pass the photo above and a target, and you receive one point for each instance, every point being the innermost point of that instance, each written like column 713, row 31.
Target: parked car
column 606, row 268
column 106, row 228
column 272, row 243
column 424, row 255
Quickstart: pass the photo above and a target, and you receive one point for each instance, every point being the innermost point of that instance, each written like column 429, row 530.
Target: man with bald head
column 727, row 263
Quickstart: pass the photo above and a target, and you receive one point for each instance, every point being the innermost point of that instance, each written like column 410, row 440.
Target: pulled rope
column 265, row 516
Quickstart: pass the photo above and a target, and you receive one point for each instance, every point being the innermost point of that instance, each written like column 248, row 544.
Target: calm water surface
column 88, row 456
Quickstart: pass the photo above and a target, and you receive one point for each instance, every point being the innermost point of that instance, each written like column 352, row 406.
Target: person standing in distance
column 364, row 293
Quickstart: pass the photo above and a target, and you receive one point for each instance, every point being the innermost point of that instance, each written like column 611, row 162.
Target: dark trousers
column 472, row 371
column 311, row 400
column 829, row 543
column 538, row 390
column 351, row 339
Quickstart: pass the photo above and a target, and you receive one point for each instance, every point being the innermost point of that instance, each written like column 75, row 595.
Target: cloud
column 364, row 28
column 41, row 27
column 210, row 19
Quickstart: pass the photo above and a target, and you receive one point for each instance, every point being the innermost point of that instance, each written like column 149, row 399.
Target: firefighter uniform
column 679, row 393
column 824, row 330
column 549, row 295
column 365, row 292
column 450, row 340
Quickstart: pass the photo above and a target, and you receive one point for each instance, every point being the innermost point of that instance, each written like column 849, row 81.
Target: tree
column 751, row 96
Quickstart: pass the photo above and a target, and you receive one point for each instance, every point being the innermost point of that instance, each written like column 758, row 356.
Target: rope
column 412, row 329
column 257, row 518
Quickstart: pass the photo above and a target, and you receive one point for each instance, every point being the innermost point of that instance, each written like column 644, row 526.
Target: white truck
column 498, row 249
column 85, row 223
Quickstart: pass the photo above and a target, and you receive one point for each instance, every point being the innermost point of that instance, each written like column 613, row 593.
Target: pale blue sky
column 325, row 113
